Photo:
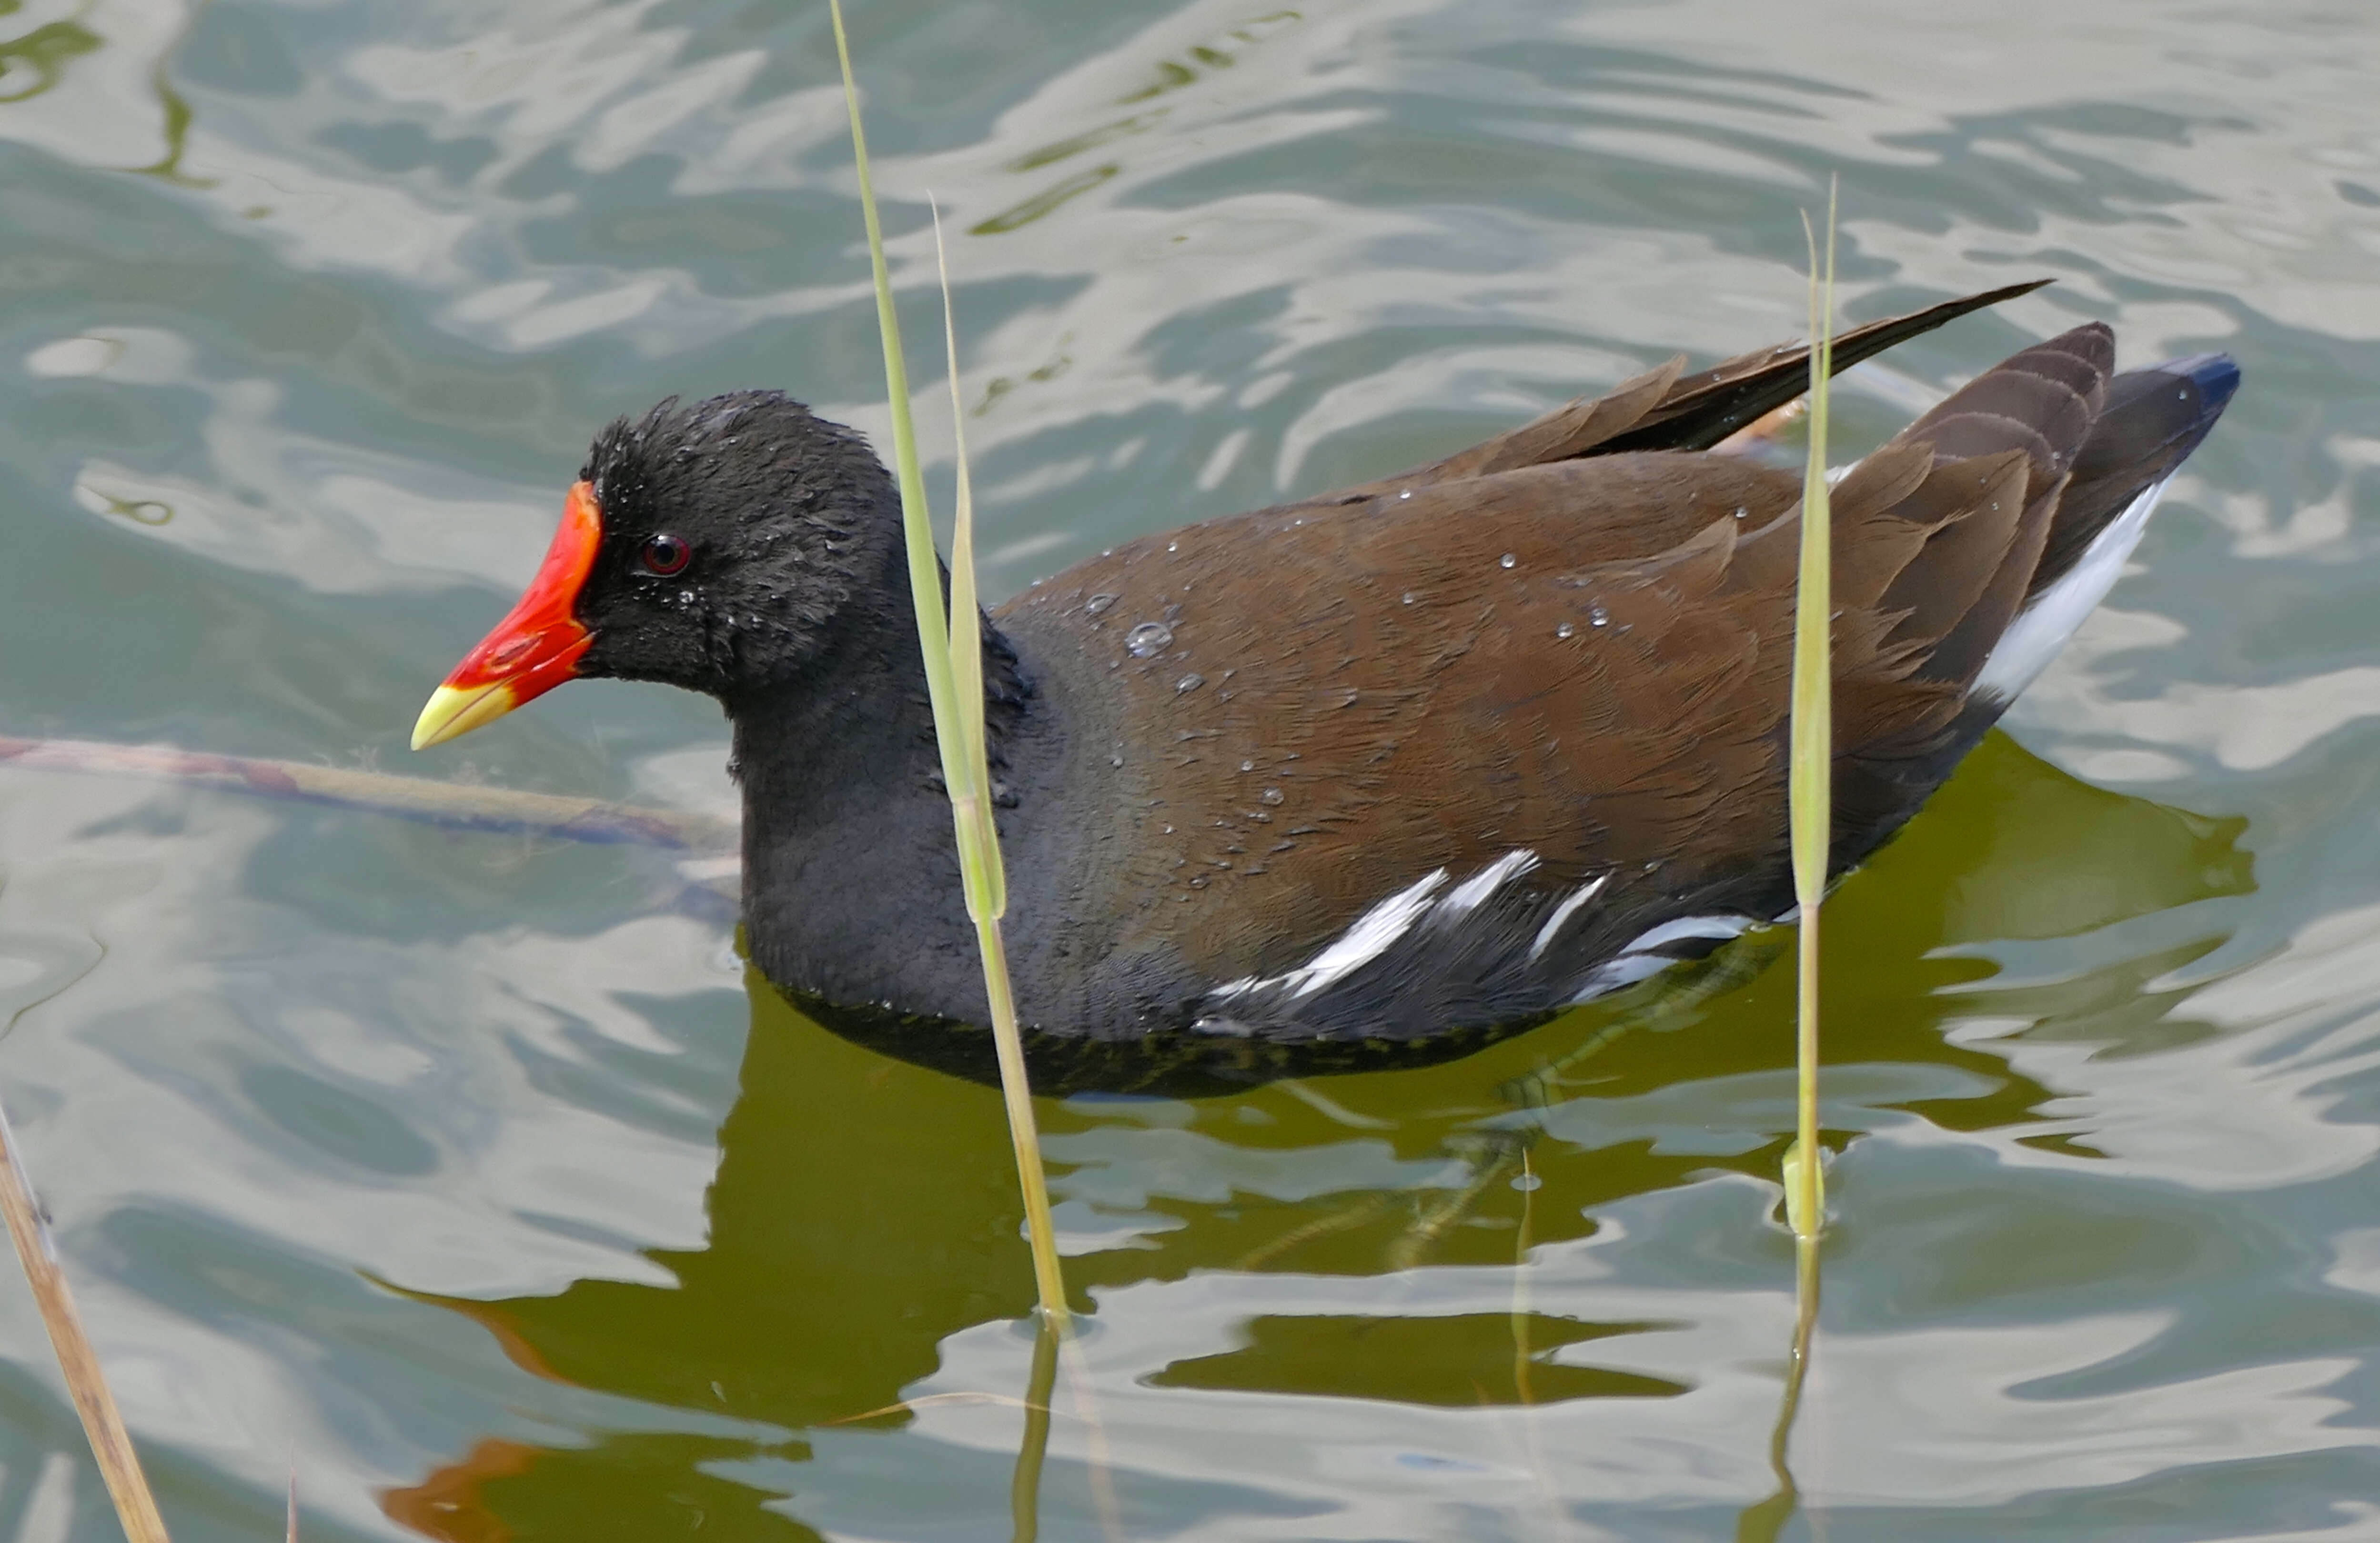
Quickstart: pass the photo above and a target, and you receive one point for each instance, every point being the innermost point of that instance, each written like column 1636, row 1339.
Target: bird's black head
column 710, row 546
column 733, row 532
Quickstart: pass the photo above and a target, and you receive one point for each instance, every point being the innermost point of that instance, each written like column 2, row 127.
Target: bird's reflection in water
column 865, row 1209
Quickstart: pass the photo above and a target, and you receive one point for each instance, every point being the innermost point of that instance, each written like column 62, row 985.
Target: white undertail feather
column 2043, row 627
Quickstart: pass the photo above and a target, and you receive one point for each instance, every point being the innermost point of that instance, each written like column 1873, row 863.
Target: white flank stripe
column 1721, row 927
column 1368, row 938
column 1467, row 896
column 1565, row 911
column 1625, row 971
column 1377, row 929
column 1359, row 944
column 2042, row 629
column 1639, row 959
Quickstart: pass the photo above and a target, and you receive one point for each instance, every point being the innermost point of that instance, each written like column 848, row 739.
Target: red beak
column 534, row 648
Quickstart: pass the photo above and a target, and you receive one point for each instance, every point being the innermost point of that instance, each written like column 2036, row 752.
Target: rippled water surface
column 464, row 1171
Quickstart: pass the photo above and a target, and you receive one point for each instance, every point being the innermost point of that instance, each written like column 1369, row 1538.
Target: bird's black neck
column 851, row 881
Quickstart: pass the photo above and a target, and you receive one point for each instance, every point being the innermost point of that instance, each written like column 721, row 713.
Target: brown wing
column 1519, row 723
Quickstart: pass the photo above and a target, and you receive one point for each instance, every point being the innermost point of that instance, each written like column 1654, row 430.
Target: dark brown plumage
column 1439, row 754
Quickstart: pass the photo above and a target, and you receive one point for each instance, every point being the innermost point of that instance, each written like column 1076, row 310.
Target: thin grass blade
column 924, row 574
column 1810, row 789
column 966, row 621
column 958, row 727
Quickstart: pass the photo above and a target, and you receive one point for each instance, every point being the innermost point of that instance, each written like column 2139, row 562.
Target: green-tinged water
column 464, row 1172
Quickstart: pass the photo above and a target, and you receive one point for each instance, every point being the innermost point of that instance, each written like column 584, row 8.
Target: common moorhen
column 1398, row 767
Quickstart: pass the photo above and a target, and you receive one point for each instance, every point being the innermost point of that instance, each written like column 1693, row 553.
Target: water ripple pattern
column 471, row 1168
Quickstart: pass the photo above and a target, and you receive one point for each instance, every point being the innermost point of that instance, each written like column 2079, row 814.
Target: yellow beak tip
column 452, row 712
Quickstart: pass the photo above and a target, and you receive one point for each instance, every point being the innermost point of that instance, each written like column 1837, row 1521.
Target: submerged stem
column 1765, row 1522
column 1025, row 1480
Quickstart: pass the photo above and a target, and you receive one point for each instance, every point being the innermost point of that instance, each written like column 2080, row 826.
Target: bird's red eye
column 666, row 555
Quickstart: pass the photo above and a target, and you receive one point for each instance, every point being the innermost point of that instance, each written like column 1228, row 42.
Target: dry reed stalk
column 109, row 1443
column 417, row 798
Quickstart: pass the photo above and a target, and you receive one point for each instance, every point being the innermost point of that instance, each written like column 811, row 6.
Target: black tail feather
column 2152, row 420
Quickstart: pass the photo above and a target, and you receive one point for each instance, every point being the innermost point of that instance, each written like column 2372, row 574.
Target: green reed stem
column 1810, row 789
column 966, row 635
column 953, row 658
